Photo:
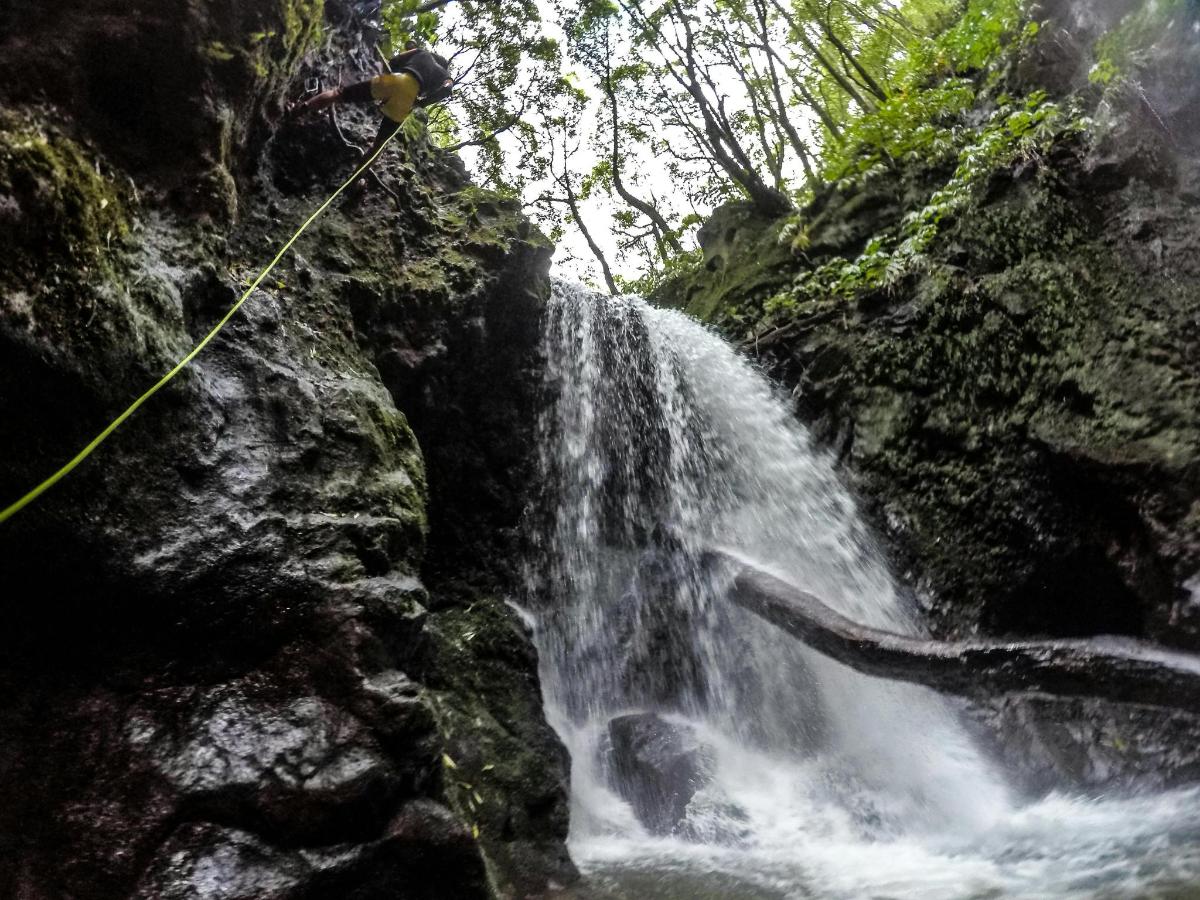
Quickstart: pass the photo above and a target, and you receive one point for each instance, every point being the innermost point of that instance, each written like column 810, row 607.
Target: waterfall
column 787, row 774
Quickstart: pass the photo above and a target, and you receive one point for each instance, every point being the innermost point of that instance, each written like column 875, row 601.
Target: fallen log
column 1118, row 669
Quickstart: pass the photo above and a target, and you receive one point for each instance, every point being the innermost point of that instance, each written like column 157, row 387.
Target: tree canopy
column 658, row 110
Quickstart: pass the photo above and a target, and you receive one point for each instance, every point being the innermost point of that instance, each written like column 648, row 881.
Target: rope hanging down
column 10, row 511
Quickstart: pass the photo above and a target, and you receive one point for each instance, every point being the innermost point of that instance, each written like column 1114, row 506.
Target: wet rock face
column 410, row 860
column 230, row 667
column 1021, row 422
column 657, row 766
column 173, row 90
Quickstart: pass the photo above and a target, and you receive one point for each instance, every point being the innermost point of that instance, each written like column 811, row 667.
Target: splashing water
column 809, row 780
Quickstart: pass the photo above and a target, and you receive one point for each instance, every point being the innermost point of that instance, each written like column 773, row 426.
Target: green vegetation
column 923, row 126
column 1016, row 130
column 765, row 100
column 1121, row 52
column 661, row 110
column 58, row 184
column 937, row 79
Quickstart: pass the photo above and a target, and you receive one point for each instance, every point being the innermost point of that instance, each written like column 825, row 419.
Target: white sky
column 646, row 175
column 573, row 260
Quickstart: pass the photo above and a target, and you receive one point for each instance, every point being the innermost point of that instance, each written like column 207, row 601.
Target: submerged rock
column 1093, row 745
column 657, row 766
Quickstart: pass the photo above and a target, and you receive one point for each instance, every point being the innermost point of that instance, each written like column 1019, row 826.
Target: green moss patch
column 56, row 208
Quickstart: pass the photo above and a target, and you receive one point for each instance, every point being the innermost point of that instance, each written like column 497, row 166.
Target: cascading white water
column 658, row 442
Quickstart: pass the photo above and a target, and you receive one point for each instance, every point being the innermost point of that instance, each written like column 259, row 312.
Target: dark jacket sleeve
column 437, row 95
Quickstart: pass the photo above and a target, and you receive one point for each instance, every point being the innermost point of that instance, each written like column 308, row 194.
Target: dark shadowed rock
column 303, row 770
column 657, row 766
column 232, row 665
column 425, row 854
column 214, row 863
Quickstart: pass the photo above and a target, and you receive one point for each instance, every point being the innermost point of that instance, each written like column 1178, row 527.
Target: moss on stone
column 1018, row 410
column 60, row 209
column 278, row 49
column 498, row 776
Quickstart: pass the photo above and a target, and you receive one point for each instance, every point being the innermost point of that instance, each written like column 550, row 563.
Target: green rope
column 116, row 423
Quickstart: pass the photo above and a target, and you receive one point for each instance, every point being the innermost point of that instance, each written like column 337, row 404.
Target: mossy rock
column 56, row 209
column 1019, row 408
column 505, row 769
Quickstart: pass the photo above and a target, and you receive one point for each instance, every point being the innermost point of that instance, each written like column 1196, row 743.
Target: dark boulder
column 657, row 766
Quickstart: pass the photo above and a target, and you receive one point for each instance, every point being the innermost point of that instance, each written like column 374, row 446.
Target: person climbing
column 418, row 77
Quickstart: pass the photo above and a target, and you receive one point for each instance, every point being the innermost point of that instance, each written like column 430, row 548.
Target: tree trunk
column 870, row 83
column 723, row 145
column 802, row 36
column 646, row 209
column 1116, row 669
column 577, row 215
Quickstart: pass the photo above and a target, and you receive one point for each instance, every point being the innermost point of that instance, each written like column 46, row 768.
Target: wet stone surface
column 657, row 766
